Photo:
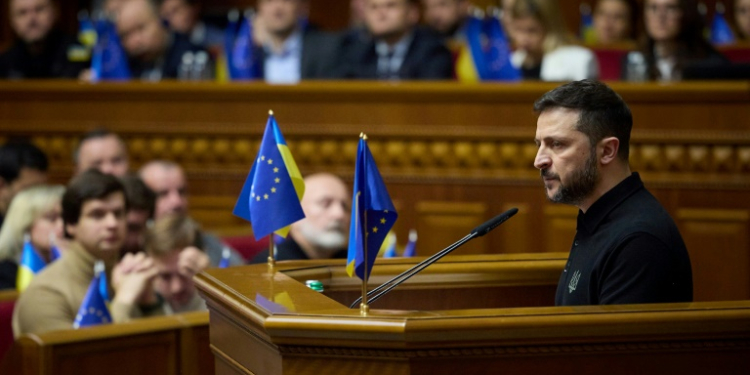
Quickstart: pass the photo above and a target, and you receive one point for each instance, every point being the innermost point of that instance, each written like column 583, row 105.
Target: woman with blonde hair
column 544, row 48
column 34, row 212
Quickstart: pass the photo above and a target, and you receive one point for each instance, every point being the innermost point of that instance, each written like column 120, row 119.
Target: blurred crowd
column 392, row 40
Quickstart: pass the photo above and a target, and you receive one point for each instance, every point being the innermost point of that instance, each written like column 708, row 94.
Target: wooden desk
column 452, row 155
column 153, row 346
column 306, row 332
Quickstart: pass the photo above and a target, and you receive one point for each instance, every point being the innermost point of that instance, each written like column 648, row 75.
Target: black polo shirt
column 627, row 249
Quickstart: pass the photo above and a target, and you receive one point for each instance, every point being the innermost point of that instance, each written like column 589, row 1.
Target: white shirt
column 284, row 66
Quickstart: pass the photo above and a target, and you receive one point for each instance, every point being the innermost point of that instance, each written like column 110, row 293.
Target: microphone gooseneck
column 479, row 231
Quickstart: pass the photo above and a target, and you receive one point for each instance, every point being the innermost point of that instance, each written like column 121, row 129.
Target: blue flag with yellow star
column 270, row 198
column 93, row 310
column 373, row 214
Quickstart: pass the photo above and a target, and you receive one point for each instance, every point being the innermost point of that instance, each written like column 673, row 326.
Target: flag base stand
column 364, row 309
column 271, row 254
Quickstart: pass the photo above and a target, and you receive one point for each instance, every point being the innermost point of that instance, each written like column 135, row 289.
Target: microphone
column 479, row 231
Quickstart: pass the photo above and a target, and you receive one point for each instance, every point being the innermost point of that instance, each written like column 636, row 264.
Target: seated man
column 167, row 180
column 22, row 165
column 183, row 16
column 397, row 49
column 102, row 150
column 94, row 219
column 174, row 243
column 141, row 205
column 447, row 18
column 40, row 50
column 627, row 248
column 290, row 53
column 324, row 232
column 153, row 51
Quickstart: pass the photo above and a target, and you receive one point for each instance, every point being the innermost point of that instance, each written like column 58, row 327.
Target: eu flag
column 474, row 38
column 498, row 53
column 93, row 310
column 270, row 198
column 721, row 33
column 109, row 61
column 243, row 64
column 373, row 214
column 31, row 264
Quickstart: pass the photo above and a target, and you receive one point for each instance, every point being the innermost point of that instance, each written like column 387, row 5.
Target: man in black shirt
column 627, row 248
column 40, row 51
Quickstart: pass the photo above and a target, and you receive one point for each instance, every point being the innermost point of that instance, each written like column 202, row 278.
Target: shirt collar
column 608, row 202
column 292, row 45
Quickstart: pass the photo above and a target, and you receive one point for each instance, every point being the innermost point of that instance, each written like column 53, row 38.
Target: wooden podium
column 465, row 314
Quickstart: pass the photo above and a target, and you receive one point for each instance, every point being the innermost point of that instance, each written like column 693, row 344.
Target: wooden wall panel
column 718, row 241
column 443, row 223
column 560, row 222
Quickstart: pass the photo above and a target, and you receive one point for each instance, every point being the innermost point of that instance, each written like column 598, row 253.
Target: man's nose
column 542, row 160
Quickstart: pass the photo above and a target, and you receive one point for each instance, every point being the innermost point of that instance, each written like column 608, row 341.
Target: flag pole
column 271, row 255
column 364, row 308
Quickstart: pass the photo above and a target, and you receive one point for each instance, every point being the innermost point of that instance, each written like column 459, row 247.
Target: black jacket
column 53, row 62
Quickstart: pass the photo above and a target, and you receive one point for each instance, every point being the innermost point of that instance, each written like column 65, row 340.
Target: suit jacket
column 172, row 57
column 54, row 296
column 426, row 58
column 52, row 62
column 320, row 55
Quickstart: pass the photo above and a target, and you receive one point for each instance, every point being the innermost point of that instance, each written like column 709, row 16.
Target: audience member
column 447, row 18
column 627, row 249
column 742, row 18
column 35, row 212
column 290, row 53
column 615, row 21
column 174, row 243
column 141, row 206
column 93, row 210
column 324, row 232
column 103, row 150
column 183, row 16
column 356, row 13
column 168, row 181
column 544, row 48
column 153, row 51
column 674, row 38
column 40, row 50
column 21, row 165
column 397, row 49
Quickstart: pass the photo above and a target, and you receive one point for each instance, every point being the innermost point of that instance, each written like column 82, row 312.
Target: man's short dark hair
column 139, row 196
column 603, row 113
column 89, row 185
column 16, row 155
column 98, row 133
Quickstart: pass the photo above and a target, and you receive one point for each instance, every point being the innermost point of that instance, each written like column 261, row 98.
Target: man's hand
column 132, row 280
column 192, row 261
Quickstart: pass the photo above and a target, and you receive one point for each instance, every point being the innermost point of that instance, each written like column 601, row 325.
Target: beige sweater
column 54, row 296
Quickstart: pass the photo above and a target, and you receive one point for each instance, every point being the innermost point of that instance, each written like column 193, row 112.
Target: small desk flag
column 373, row 214
column 109, row 61
column 270, row 198
column 93, row 310
column 31, row 264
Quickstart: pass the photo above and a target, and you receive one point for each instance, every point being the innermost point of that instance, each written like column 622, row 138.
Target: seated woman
column 34, row 212
column 615, row 22
column 673, row 40
column 544, row 48
column 742, row 19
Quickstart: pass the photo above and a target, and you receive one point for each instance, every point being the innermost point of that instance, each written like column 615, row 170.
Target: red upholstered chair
column 247, row 246
column 610, row 63
column 7, row 302
column 736, row 53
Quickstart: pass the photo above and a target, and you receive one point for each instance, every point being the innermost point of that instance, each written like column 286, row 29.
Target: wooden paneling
column 561, row 227
column 443, row 223
column 718, row 241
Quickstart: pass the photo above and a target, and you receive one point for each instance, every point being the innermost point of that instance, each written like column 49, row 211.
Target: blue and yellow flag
column 411, row 247
column 93, row 310
column 373, row 214
column 499, row 67
column 31, row 264
column 270, row 198
column 586, row 31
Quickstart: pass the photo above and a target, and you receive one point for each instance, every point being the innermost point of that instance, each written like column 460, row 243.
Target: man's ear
column 609, row 147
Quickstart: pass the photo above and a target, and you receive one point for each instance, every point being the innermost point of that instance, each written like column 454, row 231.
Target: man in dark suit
column 40, row 50
column 396, row 48
column 289, row 52
column 153, row 51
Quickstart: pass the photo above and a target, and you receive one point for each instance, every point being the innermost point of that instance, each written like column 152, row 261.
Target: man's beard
column 331, row 239
column 581, row 185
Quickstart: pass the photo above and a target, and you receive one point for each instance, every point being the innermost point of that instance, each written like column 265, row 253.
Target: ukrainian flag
column 270, row 198
column 471, row 65
column 373, row 214
column 31, row 264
